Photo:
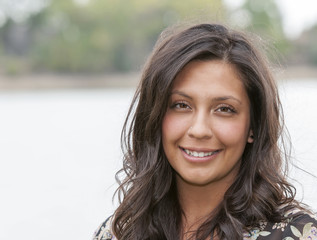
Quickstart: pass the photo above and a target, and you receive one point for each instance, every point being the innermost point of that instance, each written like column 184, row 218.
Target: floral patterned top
column 300, row 227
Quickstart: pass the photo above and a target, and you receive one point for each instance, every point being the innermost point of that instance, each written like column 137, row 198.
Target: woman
column 202, row 154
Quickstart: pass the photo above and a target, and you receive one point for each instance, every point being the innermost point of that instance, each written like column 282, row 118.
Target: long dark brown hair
column 149, row 206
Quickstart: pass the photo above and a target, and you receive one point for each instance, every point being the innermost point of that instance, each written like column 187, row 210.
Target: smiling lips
column 199, row 155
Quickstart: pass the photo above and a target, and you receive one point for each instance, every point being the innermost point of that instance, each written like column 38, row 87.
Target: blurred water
column 299, row 100
column 60, row 150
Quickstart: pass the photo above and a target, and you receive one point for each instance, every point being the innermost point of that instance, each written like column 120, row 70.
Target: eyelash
column 177, row 105
column 227, row 107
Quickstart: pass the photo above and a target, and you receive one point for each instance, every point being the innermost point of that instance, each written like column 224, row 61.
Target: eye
column 181, row 106
column 225, row 109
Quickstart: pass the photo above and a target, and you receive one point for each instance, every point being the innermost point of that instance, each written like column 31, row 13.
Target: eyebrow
column 216, row 99
column 181, row 94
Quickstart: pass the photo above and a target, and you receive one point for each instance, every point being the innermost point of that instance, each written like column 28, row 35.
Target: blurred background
column 68, row 70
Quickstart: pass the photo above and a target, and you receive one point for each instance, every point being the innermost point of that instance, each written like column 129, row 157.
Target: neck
column 199, row 202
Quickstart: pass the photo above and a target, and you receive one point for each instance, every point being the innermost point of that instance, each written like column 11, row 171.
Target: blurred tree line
column 97, row 36
column 305, row 48
column 93, row 36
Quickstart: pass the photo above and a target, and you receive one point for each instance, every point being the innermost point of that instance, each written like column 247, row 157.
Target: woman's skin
column 204, row 133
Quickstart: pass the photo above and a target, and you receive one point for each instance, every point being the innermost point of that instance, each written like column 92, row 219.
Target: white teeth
column 199, row 154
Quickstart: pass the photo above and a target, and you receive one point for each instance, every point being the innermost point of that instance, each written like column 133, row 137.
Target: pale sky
column 297, row 15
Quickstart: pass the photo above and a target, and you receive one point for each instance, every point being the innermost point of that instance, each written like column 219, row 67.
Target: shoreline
column 296, row 72
column 51, row 81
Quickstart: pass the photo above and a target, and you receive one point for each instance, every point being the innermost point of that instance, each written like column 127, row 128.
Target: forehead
column 209, row 76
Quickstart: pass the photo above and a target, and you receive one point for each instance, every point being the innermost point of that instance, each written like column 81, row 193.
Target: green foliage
column 106, row 35
column 96, row 36
column 264, row 19
column 14, row 66
column 305, row 48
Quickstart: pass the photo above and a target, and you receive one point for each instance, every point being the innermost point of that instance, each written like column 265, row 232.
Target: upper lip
column 199, row 149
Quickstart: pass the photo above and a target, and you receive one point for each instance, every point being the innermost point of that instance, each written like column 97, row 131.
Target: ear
column 251, row 137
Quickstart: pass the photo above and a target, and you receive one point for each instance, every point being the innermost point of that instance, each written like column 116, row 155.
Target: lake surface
column 61, row 149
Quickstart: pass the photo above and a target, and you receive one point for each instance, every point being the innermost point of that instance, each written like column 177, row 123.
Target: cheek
column 232, row 132
column 173, row 126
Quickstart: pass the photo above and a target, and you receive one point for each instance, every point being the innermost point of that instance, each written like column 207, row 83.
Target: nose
column 201, row 126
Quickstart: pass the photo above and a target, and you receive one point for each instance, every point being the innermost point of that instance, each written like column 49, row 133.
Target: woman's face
column 207, row 124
